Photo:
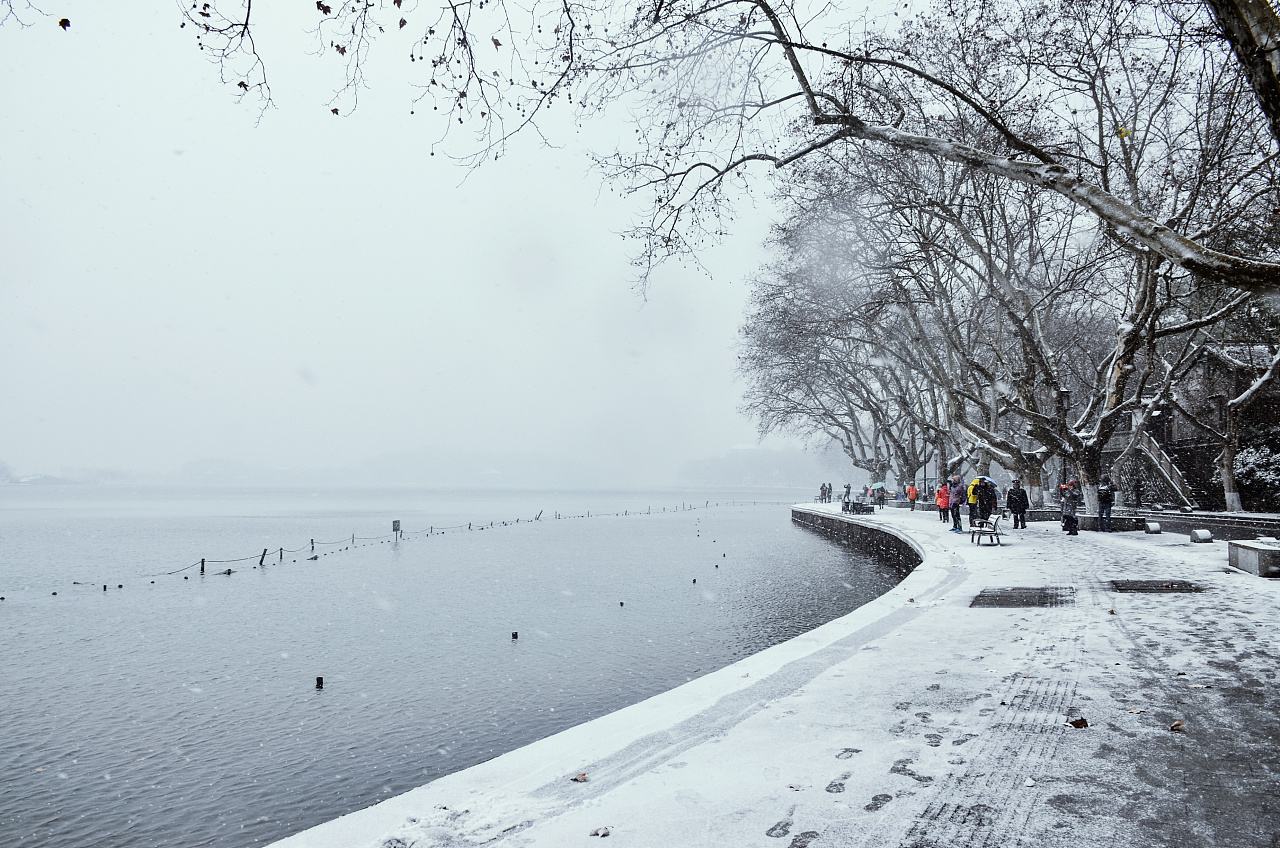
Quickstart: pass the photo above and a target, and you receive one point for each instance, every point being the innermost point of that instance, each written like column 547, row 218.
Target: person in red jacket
column 912, row 494
column 943, row 500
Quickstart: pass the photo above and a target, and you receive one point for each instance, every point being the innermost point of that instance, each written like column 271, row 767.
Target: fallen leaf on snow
column 1136, row 710
column 1028, row 782
column 1078, row 723
column 580, row 777
column 599, row 831
column 1178, row 726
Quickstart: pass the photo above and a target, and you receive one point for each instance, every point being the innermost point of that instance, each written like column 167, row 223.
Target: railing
column 1165, row 465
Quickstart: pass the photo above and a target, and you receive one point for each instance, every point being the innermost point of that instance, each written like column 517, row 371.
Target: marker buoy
column 515, row 634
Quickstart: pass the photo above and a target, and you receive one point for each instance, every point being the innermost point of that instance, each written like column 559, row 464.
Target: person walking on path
column 1071, row 500
column 1106, row 500
column 912, row 494
column 942, row 499
column 955, row 496
column 1017, row 502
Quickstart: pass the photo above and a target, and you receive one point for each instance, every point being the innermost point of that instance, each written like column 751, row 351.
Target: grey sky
column 178, row 284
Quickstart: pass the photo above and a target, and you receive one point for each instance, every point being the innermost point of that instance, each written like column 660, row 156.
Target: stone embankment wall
column 883, row 544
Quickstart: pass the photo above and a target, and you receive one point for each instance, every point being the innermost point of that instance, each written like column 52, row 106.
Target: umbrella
column 876, row 485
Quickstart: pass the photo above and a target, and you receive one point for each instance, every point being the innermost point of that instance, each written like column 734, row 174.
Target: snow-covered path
column 918, row 721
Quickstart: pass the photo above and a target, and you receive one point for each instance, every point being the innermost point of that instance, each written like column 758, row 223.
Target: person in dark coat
column 1071, row 500
column 1106, row 500
column 956, row 497
column 987, row 496
column 1018, row 503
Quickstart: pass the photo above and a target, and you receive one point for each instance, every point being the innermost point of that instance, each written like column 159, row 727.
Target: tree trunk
column 1035, row 486
column 1090, row 469
column 1252, row 28
column 1226, row 469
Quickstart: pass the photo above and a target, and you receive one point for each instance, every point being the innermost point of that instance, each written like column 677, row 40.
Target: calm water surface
column 182, row 712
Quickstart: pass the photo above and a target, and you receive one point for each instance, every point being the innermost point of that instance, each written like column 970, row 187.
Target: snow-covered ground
column 918, row 721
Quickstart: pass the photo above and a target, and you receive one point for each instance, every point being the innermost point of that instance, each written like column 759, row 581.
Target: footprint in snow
column 846, row 753
column 783, row 827
column 878, row 802
column 903, row 767
column 837, row 785
column 802, row 840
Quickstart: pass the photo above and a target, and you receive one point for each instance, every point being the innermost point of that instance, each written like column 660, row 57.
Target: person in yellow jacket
column 973, row 500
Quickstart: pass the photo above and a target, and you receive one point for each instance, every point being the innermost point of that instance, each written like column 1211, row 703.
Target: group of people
column 982, row 496
column 1073, row 498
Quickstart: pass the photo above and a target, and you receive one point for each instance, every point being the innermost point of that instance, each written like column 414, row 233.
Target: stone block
column 1152, row 527
column 1255, row 556
column 1201, row 536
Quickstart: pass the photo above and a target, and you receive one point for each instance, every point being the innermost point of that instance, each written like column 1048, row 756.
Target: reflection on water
column 184, row 712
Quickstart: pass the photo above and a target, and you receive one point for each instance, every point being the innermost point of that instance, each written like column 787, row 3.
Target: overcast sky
column 180, row 285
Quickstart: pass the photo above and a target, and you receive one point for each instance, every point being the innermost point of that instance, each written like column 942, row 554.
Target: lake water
column 183, row 712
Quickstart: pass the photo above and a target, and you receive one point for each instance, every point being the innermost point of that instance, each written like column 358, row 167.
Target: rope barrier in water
column 430, row 530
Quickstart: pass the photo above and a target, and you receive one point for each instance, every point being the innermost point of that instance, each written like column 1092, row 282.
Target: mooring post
column 319, row 682
column 202, row 566
column 313, row 546
column 282, row 554
column 262, row 558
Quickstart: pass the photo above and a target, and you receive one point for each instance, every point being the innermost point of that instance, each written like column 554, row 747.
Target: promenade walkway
column 919, row 721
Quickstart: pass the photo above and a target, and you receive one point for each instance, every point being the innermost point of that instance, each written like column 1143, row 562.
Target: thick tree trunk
column 1035, row 486
column 1090, row 470
column 1252, row 28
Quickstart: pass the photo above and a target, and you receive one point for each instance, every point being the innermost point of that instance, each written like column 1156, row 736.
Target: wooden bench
column 988, row 529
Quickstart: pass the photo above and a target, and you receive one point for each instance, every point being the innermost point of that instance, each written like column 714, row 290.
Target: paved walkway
column 920, row 722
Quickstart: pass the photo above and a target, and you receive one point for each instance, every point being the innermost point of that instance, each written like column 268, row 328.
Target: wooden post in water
column 262, row 558
column 313, row 546
column 282, row 554
column 202, row 566
column 319, row 682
